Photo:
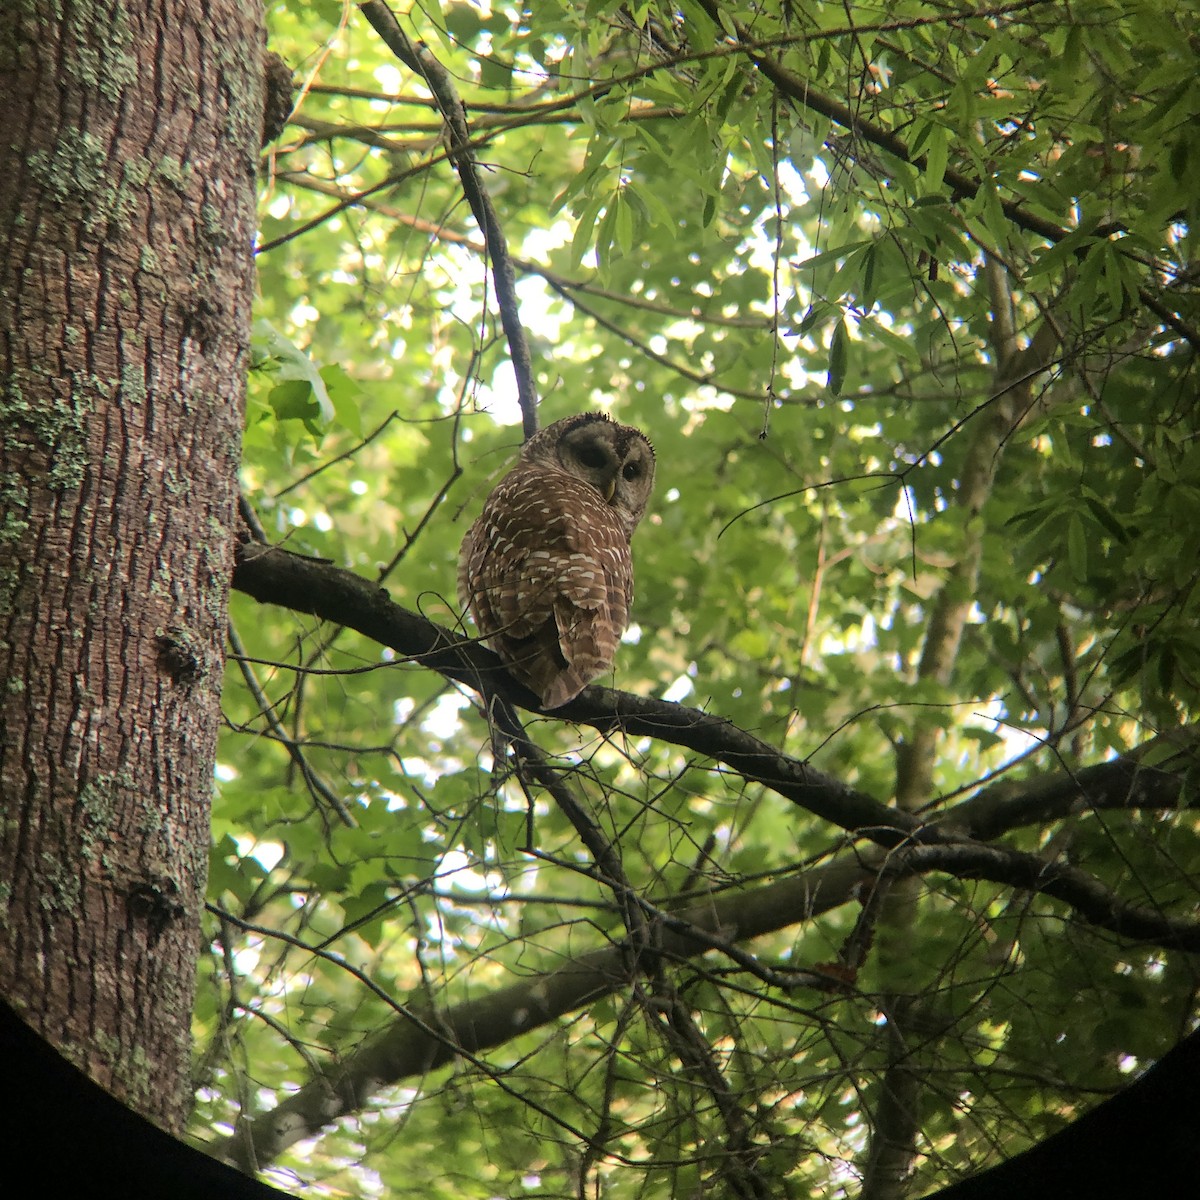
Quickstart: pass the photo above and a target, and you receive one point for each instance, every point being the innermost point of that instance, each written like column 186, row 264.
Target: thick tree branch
column 275, row 576
column 422, row 1038
column 1081, row 892
column 272, row 575
column 1135, row 781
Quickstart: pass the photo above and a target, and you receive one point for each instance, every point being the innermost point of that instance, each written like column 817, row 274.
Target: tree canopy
column 875, row 860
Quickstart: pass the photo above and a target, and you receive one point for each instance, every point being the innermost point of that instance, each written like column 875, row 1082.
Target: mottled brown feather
column 546, row 570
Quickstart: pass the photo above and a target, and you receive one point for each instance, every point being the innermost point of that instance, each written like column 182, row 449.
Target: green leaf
column 936, row 157
column 294, row 365
column 584, row 237
column 832, row 257
column 838, row 353
column 867, row 298
column 294, row 401
column 1077, row 548
column 1105, row 515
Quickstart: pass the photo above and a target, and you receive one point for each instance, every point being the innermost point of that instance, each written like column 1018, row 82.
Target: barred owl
column 546, row 570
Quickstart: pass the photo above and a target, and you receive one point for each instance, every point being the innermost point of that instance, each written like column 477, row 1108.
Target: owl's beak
column 609, row 489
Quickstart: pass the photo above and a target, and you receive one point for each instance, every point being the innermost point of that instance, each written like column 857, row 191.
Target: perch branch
column 275, row 576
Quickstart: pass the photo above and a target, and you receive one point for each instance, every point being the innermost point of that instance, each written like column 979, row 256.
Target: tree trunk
column 126, row 224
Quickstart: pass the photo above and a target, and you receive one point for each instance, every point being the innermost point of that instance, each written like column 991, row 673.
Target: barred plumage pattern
column 546, row 570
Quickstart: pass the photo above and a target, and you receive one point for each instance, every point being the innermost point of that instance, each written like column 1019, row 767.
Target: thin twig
column 316, row 785
column 419, row 59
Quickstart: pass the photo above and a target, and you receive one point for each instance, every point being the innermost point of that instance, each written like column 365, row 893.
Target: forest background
column 875, row 859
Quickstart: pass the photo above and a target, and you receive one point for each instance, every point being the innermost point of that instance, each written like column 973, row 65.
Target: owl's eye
column 631, row 470
column 591, row 456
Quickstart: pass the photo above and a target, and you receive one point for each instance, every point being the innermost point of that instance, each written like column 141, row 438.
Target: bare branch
column 418, row 58
column 1150, row 778
column 421, row 1039
column 272, row 575
column 275, row 576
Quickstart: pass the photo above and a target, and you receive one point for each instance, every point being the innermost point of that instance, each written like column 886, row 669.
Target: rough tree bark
column 127, row 170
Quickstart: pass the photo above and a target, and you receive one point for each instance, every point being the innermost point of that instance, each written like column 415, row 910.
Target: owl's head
column 617, row 460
